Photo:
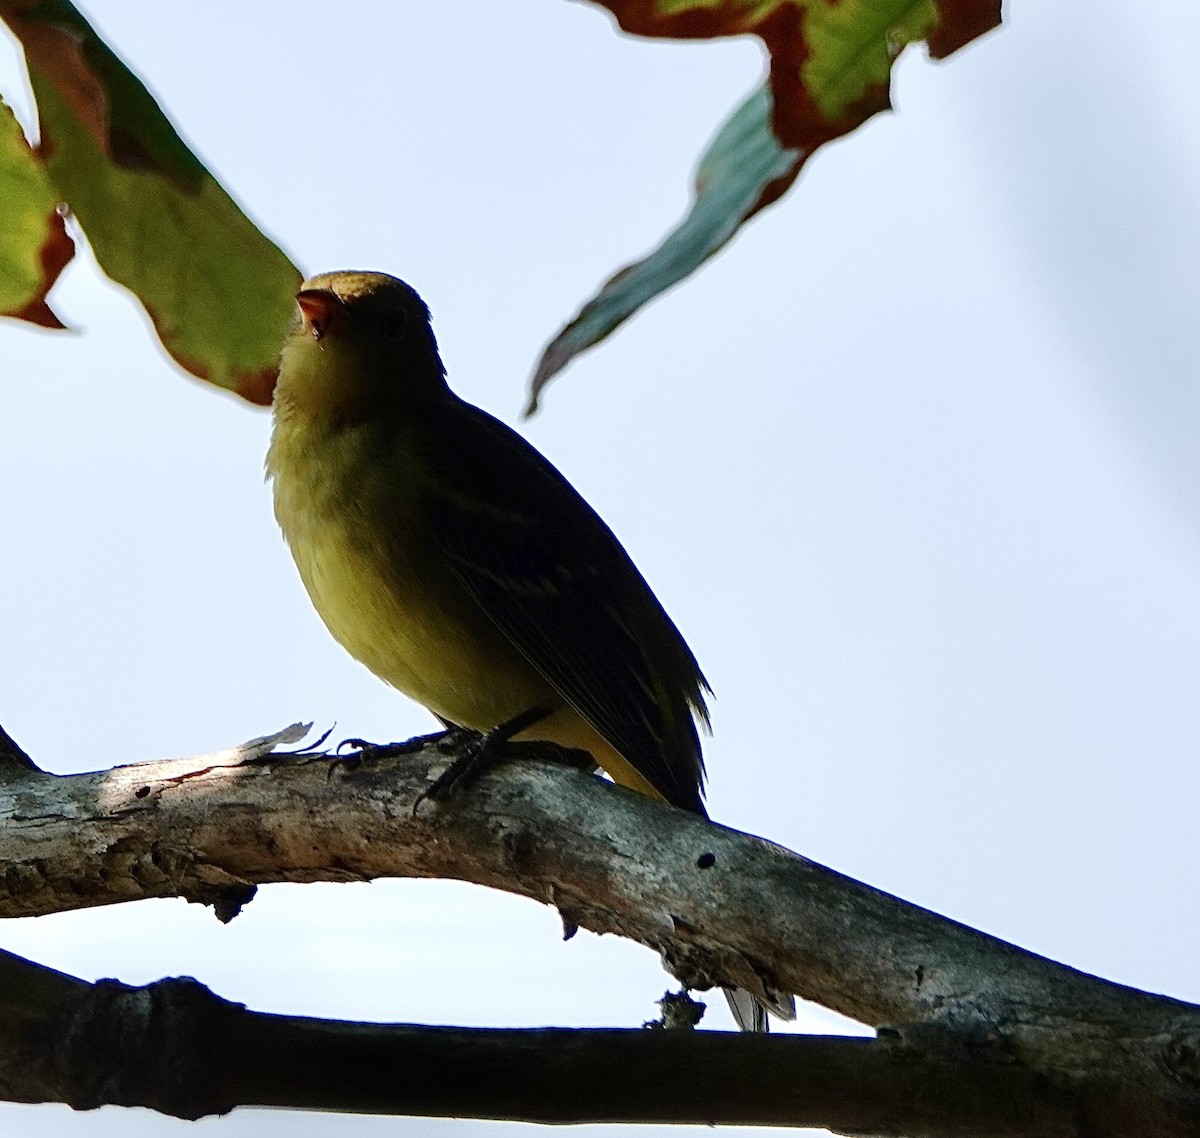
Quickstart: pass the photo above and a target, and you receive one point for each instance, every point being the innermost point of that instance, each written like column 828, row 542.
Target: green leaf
column 852, row 47
column 743, row 170
column 831, row 65
column 34, row 246
column 831, row 62
column 218, row 292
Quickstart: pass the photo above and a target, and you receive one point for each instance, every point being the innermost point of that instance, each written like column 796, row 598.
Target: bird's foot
column 474, row 752
column 353, row 753
column 455, row 738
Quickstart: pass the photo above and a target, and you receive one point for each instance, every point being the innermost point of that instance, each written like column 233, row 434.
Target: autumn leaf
column 34, row 246
column 830, row 70
column 831, row 60
column 218, row 292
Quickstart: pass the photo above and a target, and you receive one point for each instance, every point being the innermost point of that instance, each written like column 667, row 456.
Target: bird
column 449, row 556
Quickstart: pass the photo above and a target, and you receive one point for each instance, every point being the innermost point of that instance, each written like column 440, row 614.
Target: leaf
column 34, row 246
column 831, row 60
column 743, row 170
column 831, row 64
column 218, row 292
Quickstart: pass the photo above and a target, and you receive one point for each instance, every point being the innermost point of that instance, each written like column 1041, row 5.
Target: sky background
column 912, row 465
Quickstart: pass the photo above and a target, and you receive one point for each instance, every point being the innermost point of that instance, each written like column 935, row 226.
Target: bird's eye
column 393, row 324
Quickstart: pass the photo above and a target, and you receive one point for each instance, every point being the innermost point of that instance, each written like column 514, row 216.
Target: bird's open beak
column 320, row 312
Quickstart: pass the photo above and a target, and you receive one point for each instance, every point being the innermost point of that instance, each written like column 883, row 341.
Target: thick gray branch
column 718, row 905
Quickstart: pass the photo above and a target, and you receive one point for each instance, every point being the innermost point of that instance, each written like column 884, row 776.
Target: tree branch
column 174, row 1047
column 718, row 905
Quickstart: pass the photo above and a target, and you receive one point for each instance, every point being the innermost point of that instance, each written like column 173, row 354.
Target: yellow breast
column 351, row 508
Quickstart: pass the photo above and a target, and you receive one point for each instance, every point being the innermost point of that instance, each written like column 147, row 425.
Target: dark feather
column 556, row 581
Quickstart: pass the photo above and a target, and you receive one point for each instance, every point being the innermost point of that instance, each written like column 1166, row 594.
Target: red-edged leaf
column 218, row 292
column 830, row 70
column 34, row 246
column 831, row 60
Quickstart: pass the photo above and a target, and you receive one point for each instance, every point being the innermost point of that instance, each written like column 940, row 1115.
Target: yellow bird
column 453, row 560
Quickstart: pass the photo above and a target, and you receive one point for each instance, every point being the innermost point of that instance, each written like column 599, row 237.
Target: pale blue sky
column 912, row 464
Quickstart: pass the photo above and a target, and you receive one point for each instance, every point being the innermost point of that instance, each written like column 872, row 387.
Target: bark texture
column 976, row 1036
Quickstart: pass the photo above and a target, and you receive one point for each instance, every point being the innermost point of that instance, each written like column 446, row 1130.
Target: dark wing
column 555, row 580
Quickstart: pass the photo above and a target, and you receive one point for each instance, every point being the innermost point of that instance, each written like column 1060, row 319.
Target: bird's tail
column 750, row 1012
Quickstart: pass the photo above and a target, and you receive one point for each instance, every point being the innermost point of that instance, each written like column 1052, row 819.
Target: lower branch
column 720, row 907
column 176, row 1048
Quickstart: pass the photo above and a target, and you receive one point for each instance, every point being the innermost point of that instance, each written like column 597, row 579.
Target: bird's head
column 359, row 341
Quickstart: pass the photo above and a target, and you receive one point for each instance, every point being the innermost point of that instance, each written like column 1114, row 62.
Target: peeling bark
column 1042, row 1048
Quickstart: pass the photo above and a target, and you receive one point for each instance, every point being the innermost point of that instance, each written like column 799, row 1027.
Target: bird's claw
column 454, row 739
column 474, row 752
column 360, row 751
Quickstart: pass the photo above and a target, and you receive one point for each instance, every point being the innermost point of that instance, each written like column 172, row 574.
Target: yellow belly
column 414, row 628
column 436, row 648
column 392, row 603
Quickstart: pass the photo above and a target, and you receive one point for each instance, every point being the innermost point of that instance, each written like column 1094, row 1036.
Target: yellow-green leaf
column 831, row 63
column 831, row 60
column 218, row 292
column 34, row 246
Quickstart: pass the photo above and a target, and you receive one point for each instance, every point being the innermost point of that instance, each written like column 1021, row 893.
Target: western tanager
column 453, row 560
